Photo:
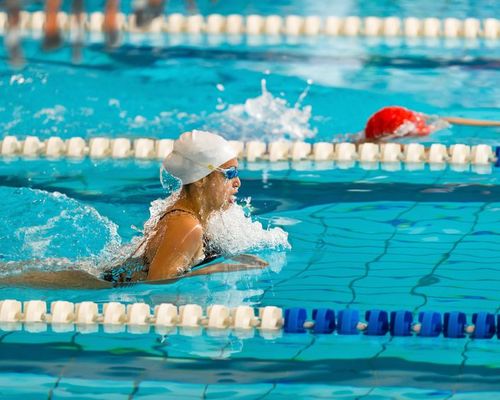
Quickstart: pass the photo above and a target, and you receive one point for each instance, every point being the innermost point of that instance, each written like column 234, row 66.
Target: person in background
column 395, row 122
column 110, row 24
column 51, row 34
column 12, row 38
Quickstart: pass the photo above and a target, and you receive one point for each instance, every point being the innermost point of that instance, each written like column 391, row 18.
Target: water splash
column 265, row 117
column 53, row 232
column 233, row 232
column 229, row 232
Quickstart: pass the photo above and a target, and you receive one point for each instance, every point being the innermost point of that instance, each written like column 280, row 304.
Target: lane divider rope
column 270, row 321
column 346, row 155
column 275, row 25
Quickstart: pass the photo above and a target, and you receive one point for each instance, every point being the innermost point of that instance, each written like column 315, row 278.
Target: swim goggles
column 229, row 173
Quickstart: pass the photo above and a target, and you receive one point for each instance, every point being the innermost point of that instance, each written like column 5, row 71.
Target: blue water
column 421, row 240
column 351, row 79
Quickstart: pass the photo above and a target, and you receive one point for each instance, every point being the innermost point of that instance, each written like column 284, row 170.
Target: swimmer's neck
column 193, row 201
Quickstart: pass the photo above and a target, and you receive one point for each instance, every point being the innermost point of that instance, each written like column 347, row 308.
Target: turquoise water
column 360, row 239
column 351, row 79
column 415, row 240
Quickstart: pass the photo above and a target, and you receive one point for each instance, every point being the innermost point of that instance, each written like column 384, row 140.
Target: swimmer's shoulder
column 181, row 219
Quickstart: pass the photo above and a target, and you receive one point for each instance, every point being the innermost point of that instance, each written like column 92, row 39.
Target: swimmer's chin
column 230, row 202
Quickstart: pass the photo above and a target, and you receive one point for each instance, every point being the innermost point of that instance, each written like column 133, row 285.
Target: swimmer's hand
column 250, row 259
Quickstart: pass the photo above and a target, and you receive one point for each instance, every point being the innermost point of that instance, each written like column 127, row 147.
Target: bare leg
column 78, row 41
column 52, row 37
column 13, row 35
column 110, row 25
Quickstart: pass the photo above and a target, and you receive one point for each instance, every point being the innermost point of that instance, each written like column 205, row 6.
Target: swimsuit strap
column 178, row 210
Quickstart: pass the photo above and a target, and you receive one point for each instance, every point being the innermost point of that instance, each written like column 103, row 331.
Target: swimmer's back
column 159, row 250
column 176, row 246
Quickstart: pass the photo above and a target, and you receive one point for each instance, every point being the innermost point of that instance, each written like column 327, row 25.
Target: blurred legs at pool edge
column 12, row 38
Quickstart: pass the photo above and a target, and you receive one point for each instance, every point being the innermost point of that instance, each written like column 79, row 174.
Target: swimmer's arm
column 223, row 267
column 244, row 262
column 178, row 248
column 470, row 122
column 212, row 269
column 250, row 259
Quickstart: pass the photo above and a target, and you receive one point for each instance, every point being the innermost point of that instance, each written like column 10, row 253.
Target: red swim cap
column 396, row 122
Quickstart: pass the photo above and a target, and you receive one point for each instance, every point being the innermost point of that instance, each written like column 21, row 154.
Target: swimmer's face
column 221, row 192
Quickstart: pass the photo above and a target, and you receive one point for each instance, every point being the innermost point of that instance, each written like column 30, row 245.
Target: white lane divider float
column 346, row 154
column 137, row 318
column 273, row 25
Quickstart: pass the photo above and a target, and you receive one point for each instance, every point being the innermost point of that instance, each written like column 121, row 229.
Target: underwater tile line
column 370, row 361
column 263, row 396
column 421, row 284
column 387, row 243
column 319, row 244
column 306, row 347
column 461, row 367
column 60, row 375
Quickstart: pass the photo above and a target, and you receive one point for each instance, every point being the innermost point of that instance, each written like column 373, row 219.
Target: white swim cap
column 195, row 154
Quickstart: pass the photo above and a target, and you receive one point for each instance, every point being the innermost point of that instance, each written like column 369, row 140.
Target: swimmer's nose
column 236, row 182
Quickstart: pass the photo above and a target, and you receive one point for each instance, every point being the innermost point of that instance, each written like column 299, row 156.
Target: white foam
column 232, row 232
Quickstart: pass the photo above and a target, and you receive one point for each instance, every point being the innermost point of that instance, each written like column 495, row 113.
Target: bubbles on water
column 19, row 79
column 265, row 117
column 114, row 103
column 51, row 114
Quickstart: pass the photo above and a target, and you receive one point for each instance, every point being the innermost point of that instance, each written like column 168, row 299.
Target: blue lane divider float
column 397, row 323
column 497, row 155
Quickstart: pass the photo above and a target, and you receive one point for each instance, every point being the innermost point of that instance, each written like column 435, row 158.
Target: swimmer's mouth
column 232, row 198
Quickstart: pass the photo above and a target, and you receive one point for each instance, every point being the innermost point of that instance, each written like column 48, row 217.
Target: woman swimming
column 207, row 167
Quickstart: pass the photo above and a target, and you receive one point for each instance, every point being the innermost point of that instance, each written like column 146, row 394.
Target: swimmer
column 207, row 167
column 52, row 36
column 396, row 122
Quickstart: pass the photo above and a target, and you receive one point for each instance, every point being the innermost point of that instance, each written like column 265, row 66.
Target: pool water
column 360, row 239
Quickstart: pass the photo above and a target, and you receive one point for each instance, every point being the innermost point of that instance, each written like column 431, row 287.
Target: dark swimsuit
column 136, row 268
